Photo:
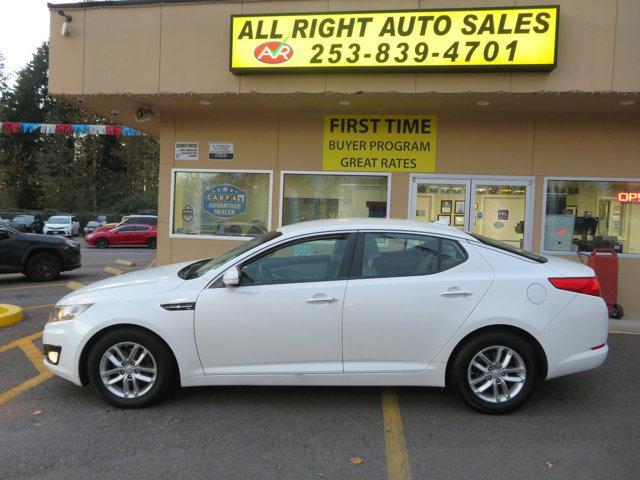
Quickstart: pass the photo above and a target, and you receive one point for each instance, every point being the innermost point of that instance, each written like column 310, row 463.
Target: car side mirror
column 231, row 277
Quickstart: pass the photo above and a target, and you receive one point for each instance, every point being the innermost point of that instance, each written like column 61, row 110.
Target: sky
column 24, row 25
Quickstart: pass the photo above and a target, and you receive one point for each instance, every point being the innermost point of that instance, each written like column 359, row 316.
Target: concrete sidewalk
column 628, row 323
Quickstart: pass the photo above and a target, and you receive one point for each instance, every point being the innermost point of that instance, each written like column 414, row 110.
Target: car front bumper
column 68, row 336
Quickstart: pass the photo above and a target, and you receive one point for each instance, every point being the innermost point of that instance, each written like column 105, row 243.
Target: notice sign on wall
column 187, row 151
column 380, row 143
column 221, row 151
column 476, row 39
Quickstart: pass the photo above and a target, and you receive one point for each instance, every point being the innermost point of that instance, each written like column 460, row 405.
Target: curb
column 128, row 263
column 113, row 271
column 9, row 314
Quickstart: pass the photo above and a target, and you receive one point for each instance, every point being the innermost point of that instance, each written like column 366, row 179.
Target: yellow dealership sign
column 380, row 143
column 476, row 39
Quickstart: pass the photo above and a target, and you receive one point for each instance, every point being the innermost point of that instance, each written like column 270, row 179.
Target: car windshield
column 7, row 228
column 201, row 267
column 60, row 220
column 509, row 248
column 23, row 218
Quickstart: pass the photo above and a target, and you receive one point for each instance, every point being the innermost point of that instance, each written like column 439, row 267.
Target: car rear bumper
column 576, row 340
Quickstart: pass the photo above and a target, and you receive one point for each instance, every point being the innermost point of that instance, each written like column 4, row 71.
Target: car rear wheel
column 152, row 243
column 43, row 267
column 102, row 243
column 131, row 368
column 495, row 372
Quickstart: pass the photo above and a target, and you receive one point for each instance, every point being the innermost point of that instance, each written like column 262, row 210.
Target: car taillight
column 586, row 285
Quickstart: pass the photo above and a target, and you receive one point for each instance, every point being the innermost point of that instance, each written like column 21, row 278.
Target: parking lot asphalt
column 579, row 427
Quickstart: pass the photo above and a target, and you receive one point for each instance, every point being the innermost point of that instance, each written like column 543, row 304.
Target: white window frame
column 325, row 172
column 529, row 217
column 544, row 212
column 215, row 170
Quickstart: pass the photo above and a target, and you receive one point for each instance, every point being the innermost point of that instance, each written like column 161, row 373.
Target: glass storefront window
column 319, row 196
column 221, row 203
column 585, row 214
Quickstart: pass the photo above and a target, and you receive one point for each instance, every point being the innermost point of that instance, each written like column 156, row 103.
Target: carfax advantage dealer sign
column 478, row 39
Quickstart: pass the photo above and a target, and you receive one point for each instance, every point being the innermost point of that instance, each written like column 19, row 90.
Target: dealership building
column 516, row 120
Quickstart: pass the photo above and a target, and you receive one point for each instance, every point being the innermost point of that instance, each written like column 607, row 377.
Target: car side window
column 313, row 260
column 404, row 255
column 126, row 229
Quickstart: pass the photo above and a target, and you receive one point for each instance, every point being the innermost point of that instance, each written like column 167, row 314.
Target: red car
column 126, row 235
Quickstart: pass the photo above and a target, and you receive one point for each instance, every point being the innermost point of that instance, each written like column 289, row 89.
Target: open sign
column 628, row 197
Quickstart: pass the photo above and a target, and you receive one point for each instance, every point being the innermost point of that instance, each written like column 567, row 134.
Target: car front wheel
column 43, row 267
column 495, row 372
column 102, row 243
column 131, row 368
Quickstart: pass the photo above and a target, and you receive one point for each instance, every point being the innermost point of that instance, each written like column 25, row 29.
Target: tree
column 70, row 173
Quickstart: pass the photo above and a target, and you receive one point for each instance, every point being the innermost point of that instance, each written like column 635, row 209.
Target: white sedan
column 337, row 302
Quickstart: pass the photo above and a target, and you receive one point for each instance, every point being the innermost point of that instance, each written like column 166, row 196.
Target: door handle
column 322, row 300
column 456, row 293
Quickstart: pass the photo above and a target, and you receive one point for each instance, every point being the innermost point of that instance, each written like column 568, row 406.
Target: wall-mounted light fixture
column 66, row 25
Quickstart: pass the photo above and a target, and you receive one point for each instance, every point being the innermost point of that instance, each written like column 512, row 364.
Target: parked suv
column 62, row 225
column 27, row 223
column 39, row 257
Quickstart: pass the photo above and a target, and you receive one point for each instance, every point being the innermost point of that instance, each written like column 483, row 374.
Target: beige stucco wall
column 184, row 48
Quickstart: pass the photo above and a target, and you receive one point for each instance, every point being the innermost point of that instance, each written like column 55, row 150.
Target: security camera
column 145, row 114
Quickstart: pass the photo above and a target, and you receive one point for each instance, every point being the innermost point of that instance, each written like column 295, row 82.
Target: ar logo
column 273, row 52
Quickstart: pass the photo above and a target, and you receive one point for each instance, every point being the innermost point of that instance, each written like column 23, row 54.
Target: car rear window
column 509, row 248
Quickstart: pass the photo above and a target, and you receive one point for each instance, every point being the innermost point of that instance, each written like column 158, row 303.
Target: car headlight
column 67, row 312
column 71, row 243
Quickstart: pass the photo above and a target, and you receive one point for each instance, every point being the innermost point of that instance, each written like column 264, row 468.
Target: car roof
column 321, row 226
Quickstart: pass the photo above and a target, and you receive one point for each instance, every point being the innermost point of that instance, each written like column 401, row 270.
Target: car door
column 11, row 251
column 137, row 235
column 286, row 314
column 119, row 236
column 407, row 296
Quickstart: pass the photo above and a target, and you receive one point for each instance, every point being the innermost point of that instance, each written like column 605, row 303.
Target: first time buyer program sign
column 380, row 143
column 469, row 39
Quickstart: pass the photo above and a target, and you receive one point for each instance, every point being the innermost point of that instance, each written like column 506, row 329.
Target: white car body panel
column 390, row 331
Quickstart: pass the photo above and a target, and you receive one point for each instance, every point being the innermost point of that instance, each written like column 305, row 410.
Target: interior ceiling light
column 204, row 102
column 483, row 103
column 626, row 103
column 344, row 103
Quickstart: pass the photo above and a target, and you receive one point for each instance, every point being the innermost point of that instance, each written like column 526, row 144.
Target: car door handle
column 322, row 300
column 456, row 293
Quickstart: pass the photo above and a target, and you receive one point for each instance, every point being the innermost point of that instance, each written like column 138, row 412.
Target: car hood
column 150, row 281
column 39, row 238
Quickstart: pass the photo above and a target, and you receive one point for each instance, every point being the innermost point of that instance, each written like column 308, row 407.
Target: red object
column 64, row 129
column 597, row 347
column 627, row 197
column 604, row 262
column 585, row 285
column 129, row 235
column 114, row 130
column 11, row 127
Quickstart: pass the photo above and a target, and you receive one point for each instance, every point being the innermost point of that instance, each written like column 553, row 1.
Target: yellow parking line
column 35, row 307
column 31, row 286
column 397, row 459
column 24, row 386
column 20, row 341
column 34, row 355
column 623, row 332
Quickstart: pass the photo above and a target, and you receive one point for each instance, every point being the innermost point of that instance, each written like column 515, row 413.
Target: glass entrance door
column 501, row 211
column 499, row 208
column 442, row 201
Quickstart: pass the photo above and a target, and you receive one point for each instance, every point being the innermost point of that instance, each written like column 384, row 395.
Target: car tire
column 102, row 242
column 43, row 267
column 152, row 377
column 505, row 384
column 152, row 243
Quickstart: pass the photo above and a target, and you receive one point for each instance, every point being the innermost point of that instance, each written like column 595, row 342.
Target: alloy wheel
column 496, row 374
column 128, row 370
